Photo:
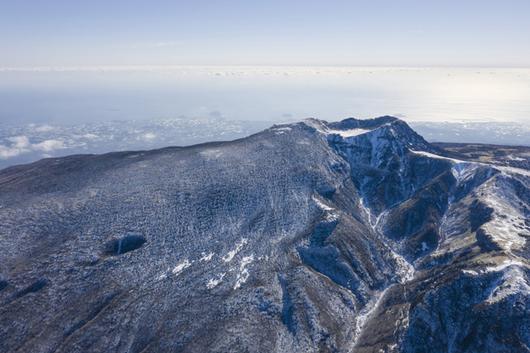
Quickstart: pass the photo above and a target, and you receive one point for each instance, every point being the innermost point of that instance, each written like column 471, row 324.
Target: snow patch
column 508, row 263
column 243, row 271
column 513, row 170
column 470, row 272
column 281, row 130
column 206, row 257
column 519, row 159
column 228, row 257
column 214, row 282
column 331, row 215
column 435, row 156
column 162, row 276
column 513, row 282
column 463, row 171
column 404, row 269
column 504, row 265
column 507, row 226
column 177, row 270
column 349, row 133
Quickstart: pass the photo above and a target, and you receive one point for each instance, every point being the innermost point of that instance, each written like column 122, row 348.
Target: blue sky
column 357, row 33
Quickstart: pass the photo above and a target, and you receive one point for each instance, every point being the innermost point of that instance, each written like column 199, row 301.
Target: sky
column 467, row 33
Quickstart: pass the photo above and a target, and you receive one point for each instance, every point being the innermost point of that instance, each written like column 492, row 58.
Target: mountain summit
column 351, row 236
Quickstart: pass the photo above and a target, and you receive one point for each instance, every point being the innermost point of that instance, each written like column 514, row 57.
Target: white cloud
column 148, row 136
column 21, row 144
column 18, row 145
column 8, row 152
column 49, row 145
column 90, row 136
column 19, row 141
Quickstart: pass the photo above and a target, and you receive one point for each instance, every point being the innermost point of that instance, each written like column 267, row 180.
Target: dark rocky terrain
column 356, row 236
column 513, row 156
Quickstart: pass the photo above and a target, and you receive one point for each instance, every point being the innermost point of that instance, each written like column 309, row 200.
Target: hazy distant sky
column 272, row 32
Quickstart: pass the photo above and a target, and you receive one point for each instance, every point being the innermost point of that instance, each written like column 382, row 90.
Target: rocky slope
column 357, row 236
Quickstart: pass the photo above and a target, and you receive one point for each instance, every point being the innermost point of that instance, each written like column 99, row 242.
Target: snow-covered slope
column 356, row 236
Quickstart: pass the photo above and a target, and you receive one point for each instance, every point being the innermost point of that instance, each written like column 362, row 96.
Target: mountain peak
column 373, row 131
column 352, row 123
column 352, row 127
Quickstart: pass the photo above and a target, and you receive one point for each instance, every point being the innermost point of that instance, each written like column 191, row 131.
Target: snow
column 322, row 205
column 404, row 269
column 513, row 170
column 162, row 276
column 281, row 130
column 367, row 211
column 373, row 220
column 366, row 313
column 214, row 282
column 507, row 226
column 470, row 272
column 317, row 125
column 228, row 257
column 513, row 282
column 508, row 222
column 508, row 263
column 330, row 214
column 504, row 265
column 181, row 267
column 243, row 271
column 463, row 164
column 435, row 156
column 206, row 257
column 348, row 133
column 463, row 171
column 519, row 159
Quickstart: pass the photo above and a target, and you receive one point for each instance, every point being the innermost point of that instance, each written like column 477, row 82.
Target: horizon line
column 148, row 67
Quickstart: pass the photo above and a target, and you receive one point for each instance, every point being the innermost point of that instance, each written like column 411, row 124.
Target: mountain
column 355, row 236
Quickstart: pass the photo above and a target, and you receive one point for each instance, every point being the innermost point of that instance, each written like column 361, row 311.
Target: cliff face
column 356, row 236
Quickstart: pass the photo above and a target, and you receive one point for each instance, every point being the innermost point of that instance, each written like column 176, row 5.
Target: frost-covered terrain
column 354, row 236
